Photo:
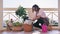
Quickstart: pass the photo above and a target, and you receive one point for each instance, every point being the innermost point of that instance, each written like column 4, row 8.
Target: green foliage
column 6, row 21
column 21, row 12
column 17, row 24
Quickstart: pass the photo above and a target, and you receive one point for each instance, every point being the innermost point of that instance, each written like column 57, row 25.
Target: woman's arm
column 35, row 18
column 41, row 14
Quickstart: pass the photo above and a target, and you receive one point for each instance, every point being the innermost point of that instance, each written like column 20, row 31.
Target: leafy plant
column 6, row 21
column 17, row 24
column 20, row 12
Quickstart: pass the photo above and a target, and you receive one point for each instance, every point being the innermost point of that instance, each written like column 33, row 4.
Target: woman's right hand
column 33, row 19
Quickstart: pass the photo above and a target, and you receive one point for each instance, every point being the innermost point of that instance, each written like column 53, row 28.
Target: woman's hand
column 38, row 16
column 33, row 19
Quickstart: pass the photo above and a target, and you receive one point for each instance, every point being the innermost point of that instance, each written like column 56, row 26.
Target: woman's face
column 35, row 9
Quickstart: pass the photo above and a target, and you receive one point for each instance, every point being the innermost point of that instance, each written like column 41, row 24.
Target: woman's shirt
column 39, row 14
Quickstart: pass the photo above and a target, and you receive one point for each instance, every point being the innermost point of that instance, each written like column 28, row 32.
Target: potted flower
column 17, row 26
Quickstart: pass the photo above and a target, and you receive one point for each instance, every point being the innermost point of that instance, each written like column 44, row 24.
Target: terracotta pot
column 27, row 27
column 49, row 27
column 17, row 28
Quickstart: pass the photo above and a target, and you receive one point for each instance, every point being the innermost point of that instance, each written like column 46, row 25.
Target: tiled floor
column 34, row 32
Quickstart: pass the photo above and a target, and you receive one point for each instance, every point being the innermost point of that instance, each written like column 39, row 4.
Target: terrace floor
column 33, row 32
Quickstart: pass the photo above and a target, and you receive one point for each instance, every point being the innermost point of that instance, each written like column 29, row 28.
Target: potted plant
column 17, row 26
column 9, row 24
column 28, row 26
column 21, row 13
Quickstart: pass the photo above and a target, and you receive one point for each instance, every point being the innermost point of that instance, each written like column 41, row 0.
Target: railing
column 9, row 13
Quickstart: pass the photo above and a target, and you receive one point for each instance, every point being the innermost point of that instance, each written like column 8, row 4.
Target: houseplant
column 28, row 26
column 21, row 13
column 9, row 24
column 17, row 26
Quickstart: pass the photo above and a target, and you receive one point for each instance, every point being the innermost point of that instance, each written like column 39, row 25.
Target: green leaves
column 20, row 11
column 17, row 24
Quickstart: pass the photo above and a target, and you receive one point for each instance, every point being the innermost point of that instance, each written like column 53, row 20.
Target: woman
column 38, row 15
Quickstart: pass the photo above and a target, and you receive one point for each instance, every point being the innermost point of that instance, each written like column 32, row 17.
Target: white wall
column 29, row 3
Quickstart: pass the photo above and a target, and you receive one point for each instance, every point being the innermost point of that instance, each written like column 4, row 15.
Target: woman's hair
column 36, row 6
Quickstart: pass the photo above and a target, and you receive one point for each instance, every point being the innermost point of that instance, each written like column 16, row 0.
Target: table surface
column 33, row 32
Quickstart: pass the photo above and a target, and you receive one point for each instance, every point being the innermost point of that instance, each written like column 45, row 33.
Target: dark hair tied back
column 36, row 6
